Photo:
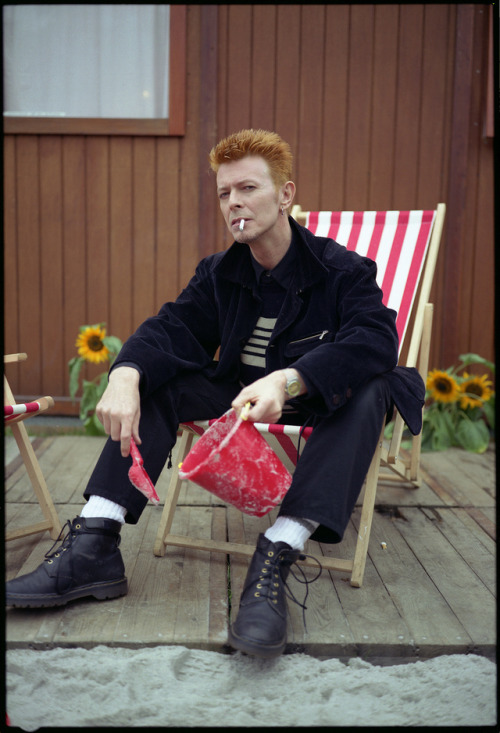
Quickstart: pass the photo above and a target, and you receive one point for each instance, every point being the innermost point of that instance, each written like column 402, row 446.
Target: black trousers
column 329, row 474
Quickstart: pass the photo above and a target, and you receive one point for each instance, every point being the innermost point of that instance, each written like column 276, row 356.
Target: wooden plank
column 383, row 119
column 359, row 107
column 486, row 523
column 193, row 598
column 432, row 622
column 28, row 249
column 75, row 284
column 408, row 108
column 370, row 612
column 263, row 66
column 144, row 229
column 308, row 155
column 121, row 236
column 472, row 603
column 456, row 482
column 336, row 93
column 469, row 541
column 287, row 89
column 52, row 366
column 10, row 257
column 97, row 231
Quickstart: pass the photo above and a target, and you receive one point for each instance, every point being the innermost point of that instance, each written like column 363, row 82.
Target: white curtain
column 86, row 60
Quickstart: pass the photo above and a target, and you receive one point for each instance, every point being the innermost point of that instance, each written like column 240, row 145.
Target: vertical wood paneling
column 10, row 264
column 121, row 237
column 408, row 105
column 144, row 214
column 286, row 109
column 309, row 164
column 97, row 226
column 52, row 367
column 383, row 107
column 167, row 222
column 384, row 100
column 336, row 96
column 75, row 284
column 29, row 261
column 263, row 67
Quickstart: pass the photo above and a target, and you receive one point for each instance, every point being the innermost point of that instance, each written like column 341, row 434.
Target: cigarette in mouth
column 242, row 224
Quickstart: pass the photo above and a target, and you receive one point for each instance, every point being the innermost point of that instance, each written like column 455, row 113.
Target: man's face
column 247, row 192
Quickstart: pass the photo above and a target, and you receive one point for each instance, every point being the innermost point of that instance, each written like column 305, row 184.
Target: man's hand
column 267, row 397
column 119, row 408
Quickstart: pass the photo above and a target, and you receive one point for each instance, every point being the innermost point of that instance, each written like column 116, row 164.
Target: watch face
column 293, row 387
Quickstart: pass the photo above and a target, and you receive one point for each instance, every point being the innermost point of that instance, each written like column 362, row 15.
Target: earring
column 282, row 212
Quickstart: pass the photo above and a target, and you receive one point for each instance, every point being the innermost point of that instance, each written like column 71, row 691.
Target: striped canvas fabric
column 12, row 411
column 396, row 240
column 283, row 439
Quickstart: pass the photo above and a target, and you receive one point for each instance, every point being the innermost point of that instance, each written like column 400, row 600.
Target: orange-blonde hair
column 269, row 145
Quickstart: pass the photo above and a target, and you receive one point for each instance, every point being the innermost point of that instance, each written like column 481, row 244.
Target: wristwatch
column 292, row 387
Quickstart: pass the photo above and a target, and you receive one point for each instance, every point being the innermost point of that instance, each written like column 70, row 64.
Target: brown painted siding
column 384, row 106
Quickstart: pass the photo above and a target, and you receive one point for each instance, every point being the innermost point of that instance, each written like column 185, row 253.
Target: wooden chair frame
column 51, row 522
column 400, row 468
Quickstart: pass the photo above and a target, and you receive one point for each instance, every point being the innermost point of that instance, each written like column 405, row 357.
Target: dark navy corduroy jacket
column 333, row 327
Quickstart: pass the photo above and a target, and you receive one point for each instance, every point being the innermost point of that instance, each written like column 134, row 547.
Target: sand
column 173, row 686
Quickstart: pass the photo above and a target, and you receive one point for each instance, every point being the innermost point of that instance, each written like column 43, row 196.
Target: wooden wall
column 384, row 106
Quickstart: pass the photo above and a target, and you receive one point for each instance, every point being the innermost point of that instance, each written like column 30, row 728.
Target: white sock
column 99, row 507
column 292, row 530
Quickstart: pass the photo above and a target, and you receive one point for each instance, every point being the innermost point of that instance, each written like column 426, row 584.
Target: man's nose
column 234, row 200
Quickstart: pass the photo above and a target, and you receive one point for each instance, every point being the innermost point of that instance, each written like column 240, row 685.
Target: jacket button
column 336, row 399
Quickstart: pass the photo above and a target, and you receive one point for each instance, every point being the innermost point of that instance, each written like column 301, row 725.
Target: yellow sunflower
column 475, row 390
column 90, row 344
column 442, row 386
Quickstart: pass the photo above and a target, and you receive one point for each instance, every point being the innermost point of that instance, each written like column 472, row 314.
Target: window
column 102, row 69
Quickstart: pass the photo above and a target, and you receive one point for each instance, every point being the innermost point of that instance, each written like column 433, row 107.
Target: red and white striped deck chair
column 14, row 415
column 405, row 246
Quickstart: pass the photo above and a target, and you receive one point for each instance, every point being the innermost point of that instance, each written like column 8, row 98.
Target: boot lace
column 66, row 541
column 267, row 580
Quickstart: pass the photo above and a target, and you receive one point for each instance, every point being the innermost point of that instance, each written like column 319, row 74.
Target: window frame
column 174, row 125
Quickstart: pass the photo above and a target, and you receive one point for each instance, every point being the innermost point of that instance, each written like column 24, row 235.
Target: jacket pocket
column 306, row 343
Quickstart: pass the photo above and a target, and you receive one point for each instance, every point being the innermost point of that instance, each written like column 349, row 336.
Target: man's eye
column 223, row 195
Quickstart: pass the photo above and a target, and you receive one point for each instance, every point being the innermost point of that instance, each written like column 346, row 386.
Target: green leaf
column 113, row 343
column 467, row 359
column 93, row 426
column 89, row 399
column 75, row 366
column 489, row 412
column 473, row 436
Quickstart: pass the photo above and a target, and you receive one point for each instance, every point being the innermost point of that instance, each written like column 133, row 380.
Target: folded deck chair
column 14, row 415
column 405, row 245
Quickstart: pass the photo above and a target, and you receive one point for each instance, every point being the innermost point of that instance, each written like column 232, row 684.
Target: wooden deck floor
column 430, row 592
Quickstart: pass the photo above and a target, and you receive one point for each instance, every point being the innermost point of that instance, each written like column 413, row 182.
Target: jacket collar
column 236, row 263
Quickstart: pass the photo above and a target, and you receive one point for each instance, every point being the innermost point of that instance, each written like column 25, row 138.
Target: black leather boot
column 260, row 628
column 86, row 563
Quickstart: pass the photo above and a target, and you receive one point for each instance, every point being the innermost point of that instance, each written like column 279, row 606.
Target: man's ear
column 287, row 194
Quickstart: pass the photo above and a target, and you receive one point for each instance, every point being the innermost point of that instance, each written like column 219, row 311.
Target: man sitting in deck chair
column 326, row 356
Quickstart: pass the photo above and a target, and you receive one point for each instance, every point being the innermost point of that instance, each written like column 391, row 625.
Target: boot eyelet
column 257, row 594
column 274, row 600
column 259, row 585
column 78, row 526
column 270, row 553
column 267, row 562
column 57, row 555
column 264, row 570
column 276, row 585
column 49, row 562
